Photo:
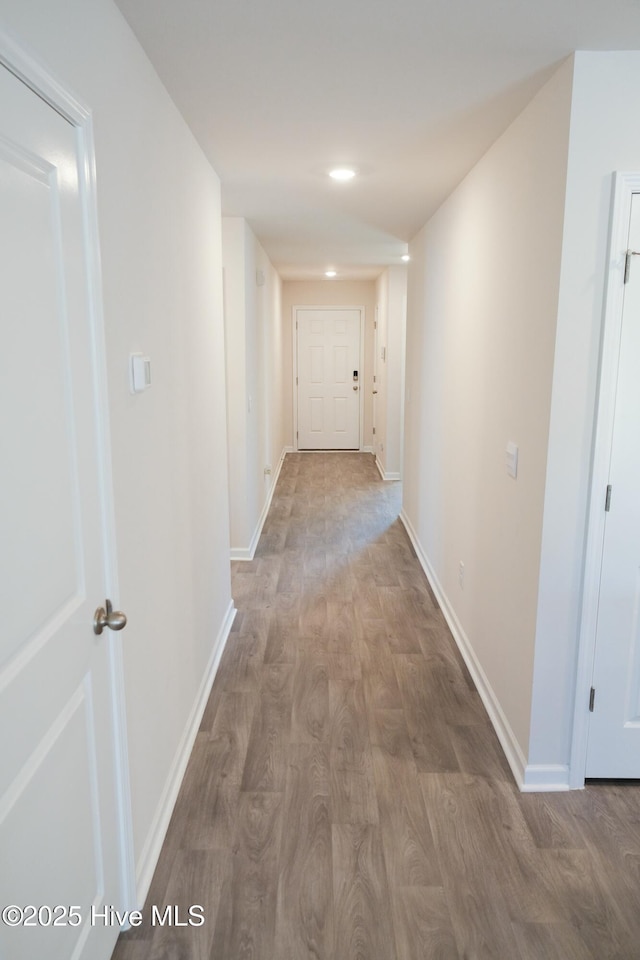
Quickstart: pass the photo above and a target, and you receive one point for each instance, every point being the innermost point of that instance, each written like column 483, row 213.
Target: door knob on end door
column 355, row 388
column 108, row 617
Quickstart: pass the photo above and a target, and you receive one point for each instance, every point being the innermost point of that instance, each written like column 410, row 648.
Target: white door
column 329, row 378
column 614, row 725
column 59, row 827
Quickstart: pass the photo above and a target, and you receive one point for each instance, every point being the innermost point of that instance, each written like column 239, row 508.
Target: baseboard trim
column 387, row 477
column 248, row 553
column 241, row 553
column 510, row 745
column 155, row 838
column 366, row 450
column 545, row 778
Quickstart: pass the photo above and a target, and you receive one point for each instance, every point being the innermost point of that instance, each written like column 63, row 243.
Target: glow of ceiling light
column 342, row 174
column 406, row 257
column 330, row 273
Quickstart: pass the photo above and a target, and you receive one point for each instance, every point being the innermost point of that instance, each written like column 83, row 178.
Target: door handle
column 108, row 617
column 355, row 388
column 374, row 391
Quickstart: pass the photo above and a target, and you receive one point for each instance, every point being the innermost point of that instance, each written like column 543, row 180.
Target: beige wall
column 159, row 225
column 276, row 334
column 380, row 441
column 253, row 346
column 482, row 306
column 234, row 239
column 391, row 297
column 343, row 293
column 604, row 138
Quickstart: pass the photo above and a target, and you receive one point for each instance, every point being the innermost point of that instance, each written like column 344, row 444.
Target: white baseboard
column 366, row 450
column 241, row 553
column 157, row 832
column 248, row 553
column 510, row 745
column 387, row 477
column 545, row 778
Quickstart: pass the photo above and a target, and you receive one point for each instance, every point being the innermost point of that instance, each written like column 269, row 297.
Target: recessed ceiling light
column 405, row 257
column 342, row 173
column 330, row 273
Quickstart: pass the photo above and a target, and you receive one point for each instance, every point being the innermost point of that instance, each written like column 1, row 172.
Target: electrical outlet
column 461, row 575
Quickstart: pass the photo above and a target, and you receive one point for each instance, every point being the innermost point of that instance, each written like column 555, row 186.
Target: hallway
column 347, row 797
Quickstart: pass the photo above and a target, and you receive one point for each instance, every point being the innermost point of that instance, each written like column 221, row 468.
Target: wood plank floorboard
column 304, row 921
column 363, row 924
column 310, row 709
column 266, row 762
column 422, row 924
column 347, row 797
column 245, row 919
column 409, row 851
column 198, row 876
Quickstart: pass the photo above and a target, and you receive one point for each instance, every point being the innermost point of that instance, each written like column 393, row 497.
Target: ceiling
column 410, row 92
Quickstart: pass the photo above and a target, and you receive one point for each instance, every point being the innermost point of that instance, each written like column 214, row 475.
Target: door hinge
column 374, row 431
column 296, row 381
column 592, row 697
column 607, row 502
column 374, row 378
column 375, row 324
column 627, row 263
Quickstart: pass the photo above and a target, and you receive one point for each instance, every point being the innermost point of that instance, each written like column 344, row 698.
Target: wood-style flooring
column 347, row 798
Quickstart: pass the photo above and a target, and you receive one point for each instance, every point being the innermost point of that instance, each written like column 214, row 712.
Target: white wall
column 380, row 371
column 604, row 137
column 330, row 293
column 275, row 337
column 254, row 345
column 391, row 291
column 159, row 223
column 234, row 240
column 482, row 306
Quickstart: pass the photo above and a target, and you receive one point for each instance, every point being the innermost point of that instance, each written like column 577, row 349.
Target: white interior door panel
column 59, row 823
column 329, row 378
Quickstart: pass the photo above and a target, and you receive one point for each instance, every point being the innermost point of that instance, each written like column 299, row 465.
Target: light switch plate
column 140, row 372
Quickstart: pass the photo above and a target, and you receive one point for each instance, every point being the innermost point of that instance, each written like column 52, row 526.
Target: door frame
column 294, row 341
column 376, row 384
column 34, row 74
column 624, row 186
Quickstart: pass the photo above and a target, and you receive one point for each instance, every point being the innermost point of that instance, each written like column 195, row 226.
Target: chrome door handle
column 111, row 618
column 355, row 388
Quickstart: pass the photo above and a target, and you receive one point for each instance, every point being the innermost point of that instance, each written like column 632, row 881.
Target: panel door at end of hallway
column 60, row 827
column 329, row 378
column 614, row 726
